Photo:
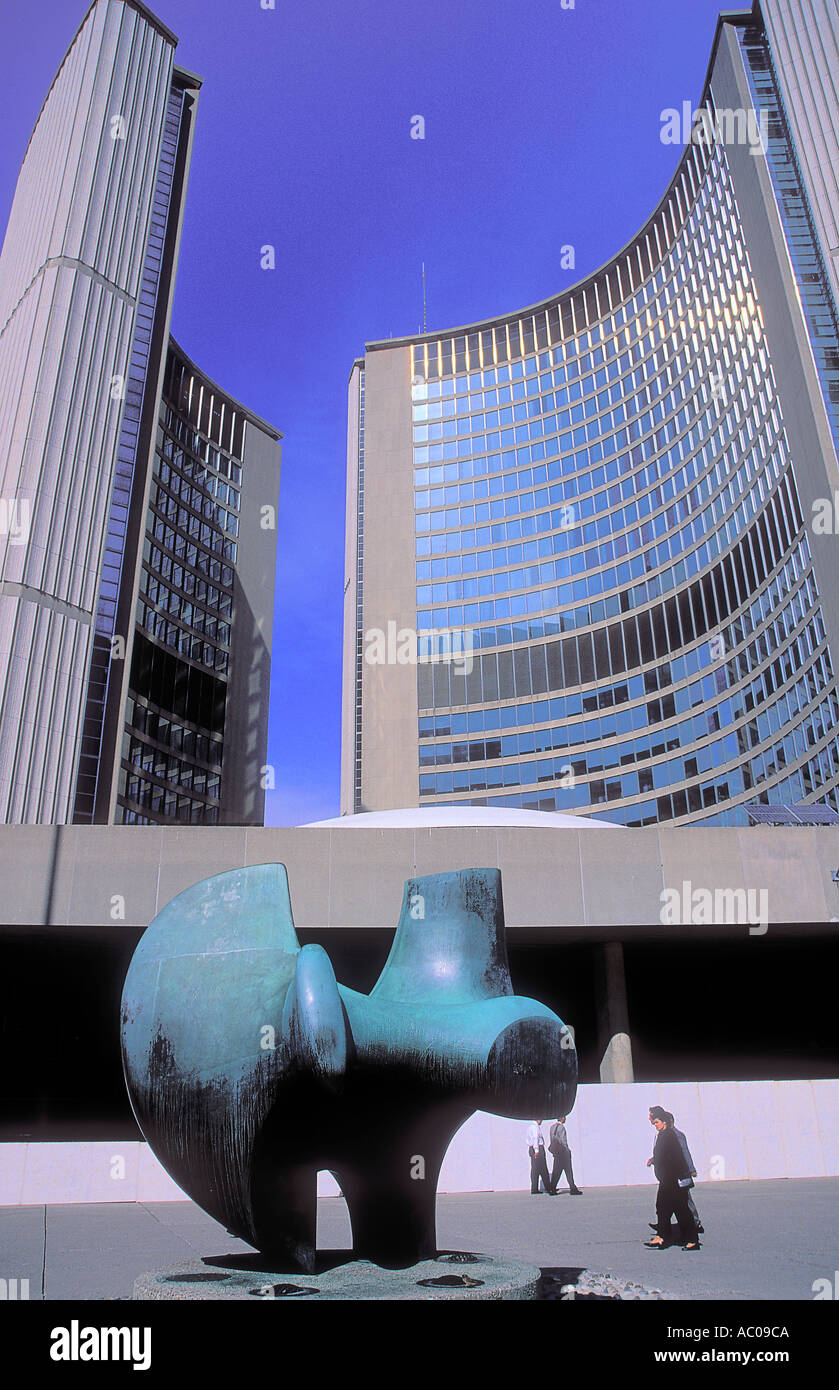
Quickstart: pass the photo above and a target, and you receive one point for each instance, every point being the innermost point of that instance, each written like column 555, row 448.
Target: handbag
column 686, row 1182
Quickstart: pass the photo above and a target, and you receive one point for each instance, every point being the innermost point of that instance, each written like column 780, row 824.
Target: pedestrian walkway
column 764, row 1240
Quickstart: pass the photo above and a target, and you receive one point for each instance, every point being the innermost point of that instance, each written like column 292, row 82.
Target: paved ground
column 763, row 1240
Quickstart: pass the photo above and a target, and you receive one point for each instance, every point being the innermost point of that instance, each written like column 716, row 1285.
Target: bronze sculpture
column 250, row 1068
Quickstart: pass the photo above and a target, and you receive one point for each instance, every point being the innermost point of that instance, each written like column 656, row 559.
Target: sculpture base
column 452, row 1277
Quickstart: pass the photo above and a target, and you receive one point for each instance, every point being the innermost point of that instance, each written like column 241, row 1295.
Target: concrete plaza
column 763, row 1240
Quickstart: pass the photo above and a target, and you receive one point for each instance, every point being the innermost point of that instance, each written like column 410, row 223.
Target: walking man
column 538, row 1161
column 674, row 1179
column 656, row 1112
column 558, row 1146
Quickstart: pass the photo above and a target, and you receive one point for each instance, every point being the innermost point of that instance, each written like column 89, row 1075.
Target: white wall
column 734, row 1129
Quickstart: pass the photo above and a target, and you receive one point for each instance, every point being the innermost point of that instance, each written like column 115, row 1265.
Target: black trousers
column 538, row 1169
column 692, row 1208
column 672, row 1200
column 562, row 1164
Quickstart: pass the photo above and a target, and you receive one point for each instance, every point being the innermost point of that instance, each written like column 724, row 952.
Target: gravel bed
column 573, row 1284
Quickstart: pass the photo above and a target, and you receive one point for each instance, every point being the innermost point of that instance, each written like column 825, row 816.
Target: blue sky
column 541, row 129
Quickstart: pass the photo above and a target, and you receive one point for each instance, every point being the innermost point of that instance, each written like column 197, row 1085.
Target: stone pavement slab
column 763, row 1240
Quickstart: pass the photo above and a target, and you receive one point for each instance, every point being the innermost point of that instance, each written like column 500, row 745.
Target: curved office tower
column 86, row 282
column 196, row 699
column 610, row 518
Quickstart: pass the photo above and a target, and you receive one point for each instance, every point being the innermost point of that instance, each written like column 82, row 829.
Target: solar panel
column 792, row 815
column 772, row 815
column 816, row 815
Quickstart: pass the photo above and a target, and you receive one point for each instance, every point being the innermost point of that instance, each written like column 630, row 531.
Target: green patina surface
column 250, row 1068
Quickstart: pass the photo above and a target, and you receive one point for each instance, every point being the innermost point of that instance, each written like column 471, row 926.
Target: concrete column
column 613, row 1015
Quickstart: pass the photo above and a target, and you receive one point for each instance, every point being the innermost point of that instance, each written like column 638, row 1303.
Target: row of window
column 209, row 534
column 625, row 370
column 710, row 465
column 186, row 692
column 789, row 791
column 762, row 725
column 645, row 491
column 625, row 477
column 195, row 591
column 500, row 477
column 652, row 483
column 652, row 635
column 174, row 491
column 168, row 768
column 164, row 806
column 771, row 535
column 570, row 520
column 189, row 614
column 650, row 365
column 545, row 443
column 180, row 737
column 754, row 487
column 183, row 465
column 578, row 794
column 533, row 388
column 706, row 455
column 780, row 591
column 182, row 641
column 201, row 448
column 197, row 556
column 607, row 409
column 574, row 464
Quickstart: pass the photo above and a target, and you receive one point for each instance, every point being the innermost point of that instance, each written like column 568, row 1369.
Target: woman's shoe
column 656, row 1244
column 694, row 1245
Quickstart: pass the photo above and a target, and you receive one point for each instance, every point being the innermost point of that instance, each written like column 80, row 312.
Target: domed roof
column 479, row 817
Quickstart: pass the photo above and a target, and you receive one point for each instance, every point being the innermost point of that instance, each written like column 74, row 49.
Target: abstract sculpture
column 250, row 1069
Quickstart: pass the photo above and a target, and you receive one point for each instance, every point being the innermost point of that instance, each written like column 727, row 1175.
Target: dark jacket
column 669, row 1163
column 685, row 1150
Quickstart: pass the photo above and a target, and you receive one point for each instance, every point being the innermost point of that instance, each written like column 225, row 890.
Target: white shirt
column 535, row 1138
